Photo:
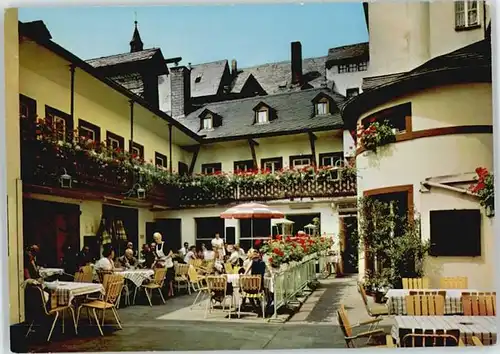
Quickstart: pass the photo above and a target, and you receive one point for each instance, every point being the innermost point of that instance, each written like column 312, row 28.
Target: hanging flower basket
column 376, row 135
column 484, row 188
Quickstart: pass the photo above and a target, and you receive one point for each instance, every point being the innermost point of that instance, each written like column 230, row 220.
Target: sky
column 251, row 34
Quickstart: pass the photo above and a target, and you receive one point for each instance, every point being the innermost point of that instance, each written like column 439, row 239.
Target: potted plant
column 376, row 134
column 484, row 188
column 379, row 283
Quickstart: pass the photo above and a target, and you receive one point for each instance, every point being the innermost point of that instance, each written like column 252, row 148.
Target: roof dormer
column 323, row 104
column 263, row 113
column 209, row 120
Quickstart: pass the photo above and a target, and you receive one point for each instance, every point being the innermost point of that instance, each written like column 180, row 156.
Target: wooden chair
column 38, row 309
column 251, row 288
column 375, row 312
column 425, row 305
column 101, row 273
column 350, row 338
column 415, row 283
column 156, row 283
column 476, row 341
column 196, row 282
column 479, row 305
column 197, row 263
column 217, row 290
column 449, row 339
column 454, row 283
column 229, row 268
column 85, row 275
column 114, row 286
column 181, row 276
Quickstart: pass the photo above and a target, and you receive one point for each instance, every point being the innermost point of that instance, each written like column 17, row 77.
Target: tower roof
column 136, row 44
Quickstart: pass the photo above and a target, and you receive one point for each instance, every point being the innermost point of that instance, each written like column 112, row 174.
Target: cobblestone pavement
column 314, row 326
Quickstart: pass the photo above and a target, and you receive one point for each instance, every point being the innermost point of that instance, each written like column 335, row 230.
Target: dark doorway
column 206, row 228
column 302, row 220
column 183, row 169
column 349, row 243
column 130, row 219
column 170, row 229
column 53, row 226
column 230, row 235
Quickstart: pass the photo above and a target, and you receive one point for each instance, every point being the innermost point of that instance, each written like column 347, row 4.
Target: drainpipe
column 170, row 148
column 131, row 102
column 72, row 92
column 444, row 186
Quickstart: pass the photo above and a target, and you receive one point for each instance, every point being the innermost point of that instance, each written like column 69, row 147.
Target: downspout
column 170, row 148
column 72, row 93
column 485, row 25
column 450, row 188
column 131, row 102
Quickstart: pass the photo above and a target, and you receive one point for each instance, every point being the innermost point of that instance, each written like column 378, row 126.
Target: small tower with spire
column 136, row 44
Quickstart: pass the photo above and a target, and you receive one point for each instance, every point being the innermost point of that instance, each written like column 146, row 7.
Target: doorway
column 349, row 243
column 130, row 219
column 53, row 226
column 170, row 229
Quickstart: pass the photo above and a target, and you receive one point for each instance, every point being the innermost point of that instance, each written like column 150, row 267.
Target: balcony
column 87, row 169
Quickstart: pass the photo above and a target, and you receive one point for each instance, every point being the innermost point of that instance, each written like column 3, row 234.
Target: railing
column 290, row 281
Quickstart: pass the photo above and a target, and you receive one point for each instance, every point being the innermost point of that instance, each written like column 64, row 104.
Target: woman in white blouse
column 218, row 245
column 106, row 263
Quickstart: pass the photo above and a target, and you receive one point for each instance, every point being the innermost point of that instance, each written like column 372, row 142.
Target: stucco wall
column 344, row 81
column 410, row 162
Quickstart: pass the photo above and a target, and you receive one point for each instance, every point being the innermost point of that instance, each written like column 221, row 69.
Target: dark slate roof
column 132, row 82
column 123, row 58
column 294, row 113
column 35, row 29
column 210, row 75
column 276, row 77
column 346, row 52
column 374, row 81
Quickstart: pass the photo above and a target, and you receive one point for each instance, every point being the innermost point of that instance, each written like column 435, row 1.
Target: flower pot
column 378, row 297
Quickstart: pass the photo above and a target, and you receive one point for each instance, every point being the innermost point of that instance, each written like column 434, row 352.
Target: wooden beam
column 170, row 148
column 252, row 143
column 193, row 159
column 312, row 140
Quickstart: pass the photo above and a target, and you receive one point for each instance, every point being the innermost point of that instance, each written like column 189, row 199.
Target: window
column 115, row 141
column 253, row 230
column 332, row 159
column 353, row 67
column 466, row 14
column 263, row 116
column 160, row 160
column 208, row 123
column 242, row 166
column 455, row 233
column 62, row 124
column 211, row 168
column 89, row 130
column 399, row 118
column 206, row 228
column 300, row 161
column 273, row 164
column 27, row 107
column 136, row 149
column 321, row 108
column 351, row 92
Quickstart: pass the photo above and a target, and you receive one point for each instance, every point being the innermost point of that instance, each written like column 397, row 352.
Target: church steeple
column 136, row 44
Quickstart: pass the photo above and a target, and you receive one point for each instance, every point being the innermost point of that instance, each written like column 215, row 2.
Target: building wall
column 328, row 217
column 13, row 173
column 284, row 146
column 344, row 81
column 45, row 77
column 444, row 38
column 411, row 162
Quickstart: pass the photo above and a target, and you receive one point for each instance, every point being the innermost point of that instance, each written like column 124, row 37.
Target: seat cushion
column 98, row 304
column 379, row 310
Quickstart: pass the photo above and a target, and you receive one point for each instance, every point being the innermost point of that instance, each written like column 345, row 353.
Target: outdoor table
column 482, row 327
column 48, row 272
column 66, row 291
column 453, row 303
column 136, row 276
column 235, row 279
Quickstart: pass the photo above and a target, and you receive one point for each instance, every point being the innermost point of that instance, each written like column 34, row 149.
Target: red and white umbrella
column 251, row 211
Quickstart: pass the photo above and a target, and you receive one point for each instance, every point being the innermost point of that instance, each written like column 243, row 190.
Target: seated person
column 257, row 267
column 190, row 254
column 148, row 255
column 235, row 257
column 128, row 260
column 106, row 262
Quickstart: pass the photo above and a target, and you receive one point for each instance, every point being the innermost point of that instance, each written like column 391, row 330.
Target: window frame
column 385, row 114
column 30, row 105
column 466, row 9
column 265, row 112
column 215, row 167
column 161, row 157
column 247, row 163
column 207, row 118
column 84, row 125
column 135, row 146
column 323, row 102
column 339, row 155
column 352, row 67
column 294, row 158
column 52, row 115
column 110, row 136
column 275, row 160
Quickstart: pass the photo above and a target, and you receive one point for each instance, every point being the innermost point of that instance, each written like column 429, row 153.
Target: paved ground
column 174, row 327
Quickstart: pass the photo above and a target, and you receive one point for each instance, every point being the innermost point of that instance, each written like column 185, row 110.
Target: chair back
column 209, row 266
column 35, row 302
column 229, row 268
column 454, row 283
column 196, row 262
column 428, row 292
column 181, row 270
column 344, row 322
column 193, row 275
column 109, row 278
column 217, row 283
column 114, row 289
column 85, row 275
column 449, row 339
column 415, row 283
column 361, row 290
column 251, row 283
column 159, row 276
column 479, row 305
column 425, row 305
column 101, row 273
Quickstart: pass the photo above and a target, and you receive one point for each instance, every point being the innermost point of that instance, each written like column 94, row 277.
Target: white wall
column 410, row 162
column 344, row 81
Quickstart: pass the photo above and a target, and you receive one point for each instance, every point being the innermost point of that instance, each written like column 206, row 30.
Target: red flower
column 270, row 260
column 278, row 237
column 257, row 242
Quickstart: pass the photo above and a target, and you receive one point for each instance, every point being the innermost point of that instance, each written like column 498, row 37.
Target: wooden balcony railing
column 43, row 164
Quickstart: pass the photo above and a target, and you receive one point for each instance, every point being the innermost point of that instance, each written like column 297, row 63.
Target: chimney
column 296, row 63
column 180, row 90
column 234, row 67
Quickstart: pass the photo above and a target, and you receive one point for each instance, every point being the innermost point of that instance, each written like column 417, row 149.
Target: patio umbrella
column 251, row 211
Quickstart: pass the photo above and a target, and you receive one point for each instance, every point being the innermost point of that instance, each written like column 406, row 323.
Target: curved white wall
column 412, row 161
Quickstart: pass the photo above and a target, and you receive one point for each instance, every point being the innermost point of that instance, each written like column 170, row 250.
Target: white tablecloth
column 235, row 278
column 137, row 276
column 483, row 327
column 453, row 302
column 66, row 291
column 48, row 272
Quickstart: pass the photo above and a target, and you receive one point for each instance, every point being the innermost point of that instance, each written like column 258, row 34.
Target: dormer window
column 323, row 104
column 321, row 108
column 208, row 123
column 262, row 116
